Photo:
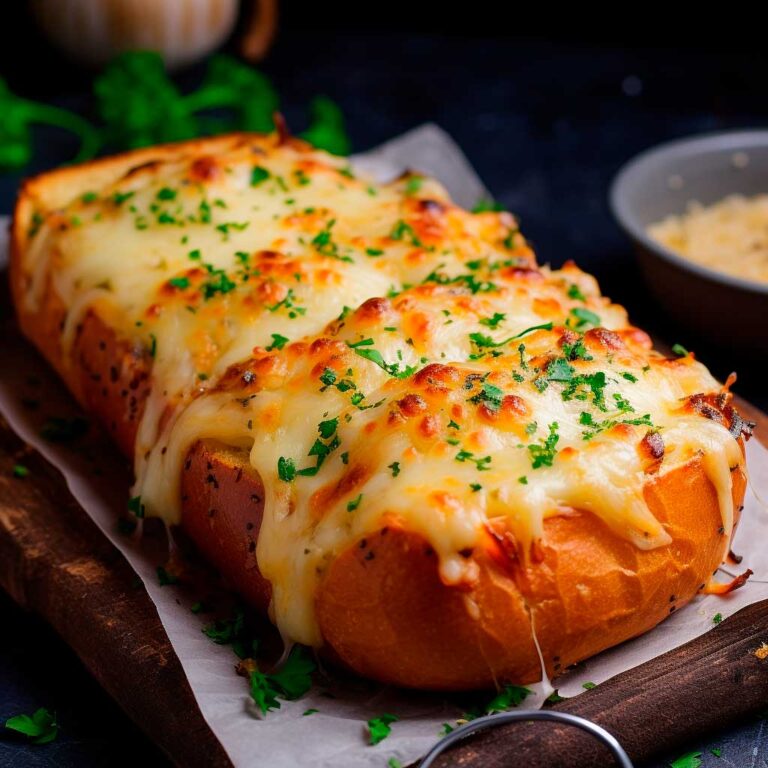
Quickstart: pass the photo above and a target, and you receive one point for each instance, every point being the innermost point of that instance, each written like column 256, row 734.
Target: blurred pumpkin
column 181, row 31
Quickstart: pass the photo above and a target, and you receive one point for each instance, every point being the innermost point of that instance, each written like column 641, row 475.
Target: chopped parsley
column 291, row 681
column 468, row 280
column 688, row 760
column 487, row 204
column 19, row 470
column 217, row 283
column 493, row 322
column 543, row 453
column 286, row 469
column 481, row 341
column 582, row 386
column 475, row 487
column 480, row 463
column 523, row 480
column 395, row 467
column 680, row 350
column 380, row 727
column 490, row 395
column 404, row 231
column 581, row 319
column 258, row 175
column 576, row 351
column 509, row 696
column 588, row 686
column 118, row 198
column 166, row 193
column 179, row 282
column 278, row 342
column 717, row 618
column 289, row 304
column 323, row 243
column 310, row 711
column 89, row 197
column 373, row 252
column 413, row 185
column 354, row 504
column 629, row 376
column 574, row 292
column 40, row 727
column 375, row 357
column 595, row 427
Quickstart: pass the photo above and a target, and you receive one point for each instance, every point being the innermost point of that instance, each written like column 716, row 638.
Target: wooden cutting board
column 55, row 561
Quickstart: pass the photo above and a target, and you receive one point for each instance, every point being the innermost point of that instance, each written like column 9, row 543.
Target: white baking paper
column 335, row 735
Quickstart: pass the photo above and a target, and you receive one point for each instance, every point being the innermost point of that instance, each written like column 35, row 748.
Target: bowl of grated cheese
column 697, row 210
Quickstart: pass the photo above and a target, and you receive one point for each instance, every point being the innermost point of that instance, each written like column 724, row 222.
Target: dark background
column 546, row 104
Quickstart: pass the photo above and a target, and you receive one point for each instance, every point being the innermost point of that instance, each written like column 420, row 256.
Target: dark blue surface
column 546, row 125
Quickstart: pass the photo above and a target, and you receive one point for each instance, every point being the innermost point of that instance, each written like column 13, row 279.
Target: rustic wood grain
column 669, row 701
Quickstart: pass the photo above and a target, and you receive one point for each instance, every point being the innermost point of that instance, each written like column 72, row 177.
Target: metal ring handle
column 490, row 721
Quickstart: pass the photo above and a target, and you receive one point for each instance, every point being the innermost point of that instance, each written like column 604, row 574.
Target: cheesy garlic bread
column 372, row 410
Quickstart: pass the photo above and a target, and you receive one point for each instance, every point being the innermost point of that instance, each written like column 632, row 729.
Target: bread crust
column 382, row 607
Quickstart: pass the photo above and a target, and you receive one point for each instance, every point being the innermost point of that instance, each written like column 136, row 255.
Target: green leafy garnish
column 354, row 504
column 380, row 727
column 487, row 204
column 258, row 174
column 490, row 395
column 327, row 129
column 179, row 282
column 413, row 185
column 291, row 681
column 581, row 319
column 278, row 342
column 395, row 467
column 404, row 231
column 574, row 292
column 688, row 760
column 375, row 357
column 509, row 696
column 543, row 453
column 481, row 341
column 40, row 728
column 482, row 464
column 19, row 470
column 680, row 350
column 717, row 618
column 493, row 322
column 18, row 115
column 286, row 469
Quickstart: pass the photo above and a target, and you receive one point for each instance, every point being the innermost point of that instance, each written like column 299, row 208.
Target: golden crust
column 382, row 607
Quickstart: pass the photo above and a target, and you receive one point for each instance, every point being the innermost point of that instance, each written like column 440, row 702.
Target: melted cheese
column 386, row 357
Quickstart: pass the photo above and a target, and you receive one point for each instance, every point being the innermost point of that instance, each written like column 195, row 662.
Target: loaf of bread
column 415, row 448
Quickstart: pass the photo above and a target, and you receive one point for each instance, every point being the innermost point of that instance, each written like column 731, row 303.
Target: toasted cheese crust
column 385, row 359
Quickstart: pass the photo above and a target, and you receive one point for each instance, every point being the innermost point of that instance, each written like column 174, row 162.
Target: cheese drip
column 385, row 356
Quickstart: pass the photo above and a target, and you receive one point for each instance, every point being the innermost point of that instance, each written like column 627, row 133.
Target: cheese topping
column 386, row 357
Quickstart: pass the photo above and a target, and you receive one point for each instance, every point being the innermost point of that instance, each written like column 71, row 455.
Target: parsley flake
column 543, row 453
column 40, row 728
column 380, row 727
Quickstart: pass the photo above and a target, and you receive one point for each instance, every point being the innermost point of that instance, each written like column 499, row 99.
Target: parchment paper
column 335, row 735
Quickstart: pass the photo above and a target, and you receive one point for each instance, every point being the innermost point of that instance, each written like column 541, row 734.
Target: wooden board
column 55, row 561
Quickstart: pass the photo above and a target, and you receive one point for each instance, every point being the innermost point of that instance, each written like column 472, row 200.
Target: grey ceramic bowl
column 724, row 309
